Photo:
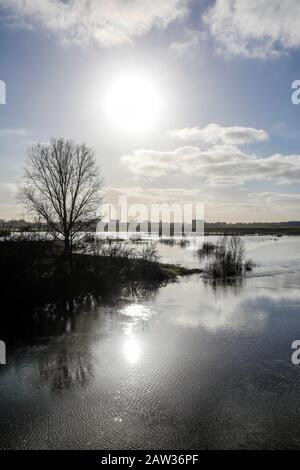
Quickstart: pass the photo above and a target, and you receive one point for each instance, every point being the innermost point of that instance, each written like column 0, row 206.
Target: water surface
column 188, row 366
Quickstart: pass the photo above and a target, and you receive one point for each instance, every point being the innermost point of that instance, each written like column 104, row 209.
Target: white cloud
column 271, row 198
column 215, row 134
column 256, row 28
column 104, row 22
column 220, row 165
column 216, row 160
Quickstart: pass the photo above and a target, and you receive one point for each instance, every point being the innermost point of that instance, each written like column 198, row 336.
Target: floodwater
column 187, row 366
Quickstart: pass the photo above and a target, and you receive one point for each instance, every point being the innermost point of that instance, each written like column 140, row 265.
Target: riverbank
column 34, row 273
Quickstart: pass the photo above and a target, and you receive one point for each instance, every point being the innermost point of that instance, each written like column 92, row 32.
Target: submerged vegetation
column 207, row 249
column 226, row 258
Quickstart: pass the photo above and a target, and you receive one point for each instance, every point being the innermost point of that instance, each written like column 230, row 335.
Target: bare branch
column 61, row 185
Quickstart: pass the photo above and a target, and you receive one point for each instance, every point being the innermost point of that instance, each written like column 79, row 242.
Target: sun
column 132, row 103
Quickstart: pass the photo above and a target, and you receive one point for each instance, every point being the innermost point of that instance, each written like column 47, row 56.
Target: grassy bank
column 34, row 272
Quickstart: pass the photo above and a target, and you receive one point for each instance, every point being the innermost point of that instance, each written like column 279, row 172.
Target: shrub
column 90, row 244
column 150, row 253
column 5, row 234
column 229, row 258
column 118, row 250
column 249, row 265
column 207, row 249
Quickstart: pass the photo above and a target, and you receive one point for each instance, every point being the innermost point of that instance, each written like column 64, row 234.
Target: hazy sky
column 182, row 100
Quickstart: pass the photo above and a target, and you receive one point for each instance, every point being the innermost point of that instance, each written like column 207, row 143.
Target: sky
column 181, row 100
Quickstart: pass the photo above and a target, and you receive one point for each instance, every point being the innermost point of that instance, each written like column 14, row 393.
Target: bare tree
column 61, row 186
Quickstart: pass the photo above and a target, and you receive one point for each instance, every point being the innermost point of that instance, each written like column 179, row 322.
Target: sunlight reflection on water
column 139, row 311
column 190, row 365
column 132, row 349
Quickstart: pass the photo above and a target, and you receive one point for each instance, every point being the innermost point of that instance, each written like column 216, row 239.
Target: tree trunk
column 68, row 253
column 67, row 245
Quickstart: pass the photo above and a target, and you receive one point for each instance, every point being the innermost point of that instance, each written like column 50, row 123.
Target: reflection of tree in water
column 140, row 289
column 232, row 285
column 68, row 366
column 61, row 316
column 64, row 369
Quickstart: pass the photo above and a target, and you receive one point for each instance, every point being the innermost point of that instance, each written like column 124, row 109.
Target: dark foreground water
column 188, row 366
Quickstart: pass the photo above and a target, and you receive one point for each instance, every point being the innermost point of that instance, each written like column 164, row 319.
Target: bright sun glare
column 132, row 350
column 132, row 103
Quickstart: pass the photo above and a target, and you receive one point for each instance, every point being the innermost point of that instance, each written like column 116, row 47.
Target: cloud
column 216, row 160
column 271, row 198
column 220, row 165
column 104, row 22
column 189, row 43
column 253, row 207
column 15, row 132
column 149, row 195
column 215, row 134
column 256, row 28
